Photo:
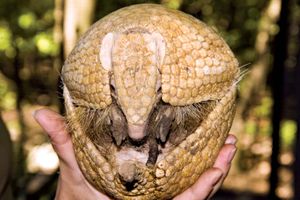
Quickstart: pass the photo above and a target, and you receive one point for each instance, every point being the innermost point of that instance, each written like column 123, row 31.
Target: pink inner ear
column 160, row 47
column 105, row 51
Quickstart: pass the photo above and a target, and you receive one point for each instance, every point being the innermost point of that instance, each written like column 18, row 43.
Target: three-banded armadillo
column 149, row 93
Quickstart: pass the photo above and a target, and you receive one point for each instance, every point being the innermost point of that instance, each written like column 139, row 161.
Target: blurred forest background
column 36, row 36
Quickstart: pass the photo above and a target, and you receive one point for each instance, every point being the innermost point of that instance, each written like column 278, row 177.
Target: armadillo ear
column 105, row 51
column 160, row 46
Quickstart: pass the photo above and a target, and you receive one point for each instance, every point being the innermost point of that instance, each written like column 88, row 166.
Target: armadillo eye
column 112, row 88
column 158, row 90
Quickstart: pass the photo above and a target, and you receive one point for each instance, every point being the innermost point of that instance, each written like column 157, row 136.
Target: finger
column 223, row 161
column 225, row 157
column 231, row 139
column 203, row 187
column 55, row 127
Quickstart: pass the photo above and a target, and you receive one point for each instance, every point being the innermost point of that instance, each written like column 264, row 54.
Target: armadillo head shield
column 149, row 94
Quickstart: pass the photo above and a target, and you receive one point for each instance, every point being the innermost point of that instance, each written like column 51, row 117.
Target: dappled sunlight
column 42, row 159
column 287, row 158
column 285, row 189
column 264, row 168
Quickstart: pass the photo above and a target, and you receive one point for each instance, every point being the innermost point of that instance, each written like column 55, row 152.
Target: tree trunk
column 58, row 39
column 256, row 79
column 78, row 17
column 58, row 33
column 297, row 145
column 280, row 56
column 257, row 76
column 20, row 173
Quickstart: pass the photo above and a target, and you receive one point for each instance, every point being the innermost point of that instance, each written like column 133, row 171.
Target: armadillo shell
column 212, row 75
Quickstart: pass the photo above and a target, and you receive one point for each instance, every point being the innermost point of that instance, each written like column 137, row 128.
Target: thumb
column 55, row 127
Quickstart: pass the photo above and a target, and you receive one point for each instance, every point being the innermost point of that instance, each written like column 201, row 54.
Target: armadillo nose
column 136, row 132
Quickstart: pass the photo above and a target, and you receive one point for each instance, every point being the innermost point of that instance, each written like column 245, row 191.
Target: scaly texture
column 198, row 64
column 134, row 58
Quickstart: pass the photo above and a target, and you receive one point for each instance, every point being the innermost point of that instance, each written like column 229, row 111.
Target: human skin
column 73, row 185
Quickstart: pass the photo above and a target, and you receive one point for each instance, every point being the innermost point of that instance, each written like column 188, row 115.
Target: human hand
column 73, row 185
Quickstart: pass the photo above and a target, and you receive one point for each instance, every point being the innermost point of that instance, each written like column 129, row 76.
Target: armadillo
column 150, row 95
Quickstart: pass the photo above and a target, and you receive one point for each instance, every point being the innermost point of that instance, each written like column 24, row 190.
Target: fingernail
column 230, row 140
column 33, row 113
column 230, row 156
column 217, row 177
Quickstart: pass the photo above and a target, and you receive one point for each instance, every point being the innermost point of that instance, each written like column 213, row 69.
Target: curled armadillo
column 149, row 93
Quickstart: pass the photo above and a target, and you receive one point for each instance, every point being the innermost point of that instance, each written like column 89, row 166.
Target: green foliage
column 288, row 133
column 3, row 86
column 27, row 27
column 260, row 122
column 8, row 97
column 8, row 101
column 250, row 127
column 264, row 109
column 45, row 44
column 174, row 4
column 5, row 38
column 27, row 20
